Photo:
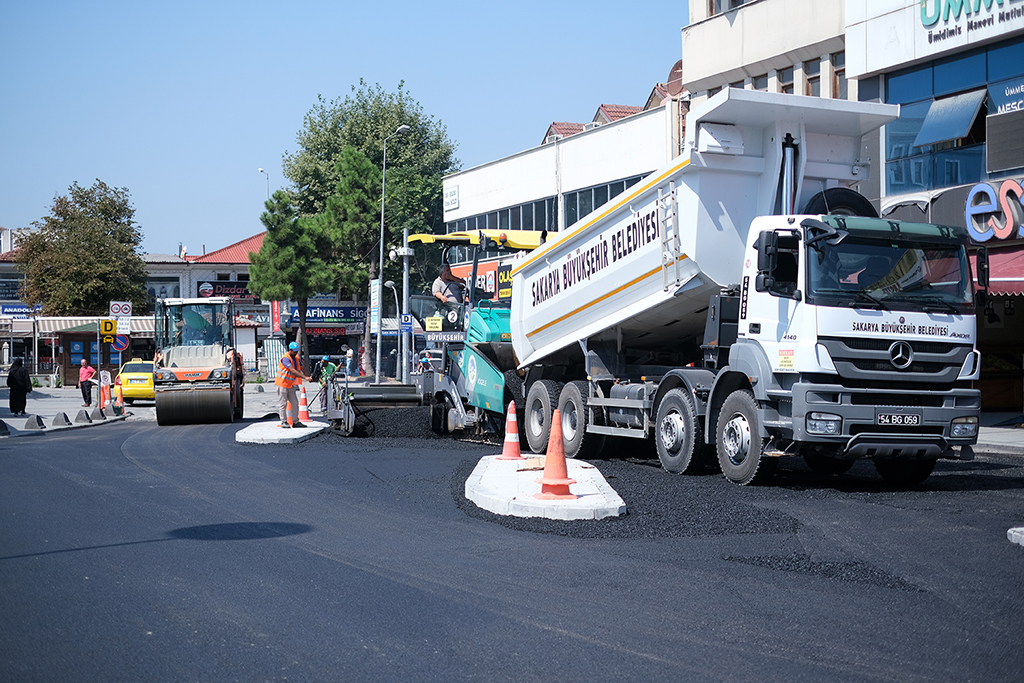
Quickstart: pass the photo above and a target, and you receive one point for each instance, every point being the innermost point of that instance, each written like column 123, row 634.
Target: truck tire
column 540, row 404
column 823, row 464
column 740, row 447
column 840, row 201
column 239, row 410
column 679, row 435
column 904, row 472
column 573, row 407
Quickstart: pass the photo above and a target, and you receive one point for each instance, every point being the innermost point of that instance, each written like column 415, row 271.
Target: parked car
column 136, row 380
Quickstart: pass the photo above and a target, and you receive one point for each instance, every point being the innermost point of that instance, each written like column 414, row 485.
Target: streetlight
column 268, row 181
column 383, row 176
column 403, row 348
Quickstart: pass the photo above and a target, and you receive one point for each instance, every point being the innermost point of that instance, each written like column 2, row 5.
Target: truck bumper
column 865, row 413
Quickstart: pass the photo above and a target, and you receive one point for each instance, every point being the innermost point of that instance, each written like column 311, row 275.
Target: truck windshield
column 904, row 274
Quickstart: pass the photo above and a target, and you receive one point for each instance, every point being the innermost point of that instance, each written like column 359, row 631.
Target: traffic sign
column 108, row 327
column 120, row 308
column 124, row 325
column 120, row 343
column 406, row 323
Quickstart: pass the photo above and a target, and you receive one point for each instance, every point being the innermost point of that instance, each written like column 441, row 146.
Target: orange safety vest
column 286, row 377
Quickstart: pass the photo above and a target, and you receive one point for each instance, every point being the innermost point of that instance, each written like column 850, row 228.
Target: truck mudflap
column 885, row 423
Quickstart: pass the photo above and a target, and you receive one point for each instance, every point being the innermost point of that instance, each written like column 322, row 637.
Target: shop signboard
column 18, row 311
column 331, row 314
column 235, row 289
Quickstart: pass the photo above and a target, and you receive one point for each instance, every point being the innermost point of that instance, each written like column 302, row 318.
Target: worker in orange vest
column 289, row 376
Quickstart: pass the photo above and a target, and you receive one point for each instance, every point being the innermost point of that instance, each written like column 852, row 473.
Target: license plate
column 136, row 381
column 898, row 419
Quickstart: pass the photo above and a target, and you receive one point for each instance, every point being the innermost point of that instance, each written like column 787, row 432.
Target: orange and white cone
column 120, row 398
column 303, row 407
column 510, row 451
column 288, row 412
column 555, row 482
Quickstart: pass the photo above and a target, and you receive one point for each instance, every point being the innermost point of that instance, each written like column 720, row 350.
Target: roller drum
column 193, row 406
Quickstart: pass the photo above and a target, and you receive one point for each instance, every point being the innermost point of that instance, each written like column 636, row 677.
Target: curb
column 19, row 433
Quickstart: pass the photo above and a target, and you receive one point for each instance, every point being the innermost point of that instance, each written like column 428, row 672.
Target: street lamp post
column 380, row 275
column 268, row 181
column 403, row 342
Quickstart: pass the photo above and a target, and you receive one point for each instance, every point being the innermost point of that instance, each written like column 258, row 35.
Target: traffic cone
column 303, row 407
column 555, row 482
column 104, row 397
column 118, row 402
column 288, row 412
column 510, row 451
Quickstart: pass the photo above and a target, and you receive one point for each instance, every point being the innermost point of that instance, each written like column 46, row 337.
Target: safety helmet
column 326, row 358
column 293, row 347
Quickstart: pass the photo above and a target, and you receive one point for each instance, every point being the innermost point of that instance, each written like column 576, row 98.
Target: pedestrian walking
column 86, row 378
column 327, row 368
column 20, row 384
column 289, row 376
column 350, row 360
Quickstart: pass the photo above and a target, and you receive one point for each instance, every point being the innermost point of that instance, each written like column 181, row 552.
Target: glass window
column 223, row 276
column 840, row 90
column 541, row 221
column 503, row 223
column 571, row 212
column 630, row 182
column 527, row 213
column 492, row 221
column 909, row 85
column 600, row 195
column 901, row 133
column 786, row 80
column 586, row 202
column 714, row 91
column 1005, row 60
column 950, row 118
column 615, row 189
column 515, row 222
column 737, row 84
column 959, row 72
column 760, row 82
column 552, row 206
column 812, row 70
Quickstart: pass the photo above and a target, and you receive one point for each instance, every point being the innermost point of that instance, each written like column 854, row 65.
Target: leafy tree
column 291, row 263
column 84, row 254
column 416, row 160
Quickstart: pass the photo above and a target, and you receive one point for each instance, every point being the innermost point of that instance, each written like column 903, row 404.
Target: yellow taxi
column 136, row 380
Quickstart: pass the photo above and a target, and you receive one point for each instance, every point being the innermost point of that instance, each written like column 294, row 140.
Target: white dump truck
column 743, row 299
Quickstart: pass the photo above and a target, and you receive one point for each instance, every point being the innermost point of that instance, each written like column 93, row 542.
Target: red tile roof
column 233, row 253
column 614, row 112
column 563, row 128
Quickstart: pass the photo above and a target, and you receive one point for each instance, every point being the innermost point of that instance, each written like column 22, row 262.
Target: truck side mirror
column 767, row 251
column 982, row 260
column 767, row 258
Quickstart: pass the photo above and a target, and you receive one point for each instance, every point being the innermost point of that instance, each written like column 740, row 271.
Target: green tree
column 291, row 264
column 84, row 255
column 416, row 160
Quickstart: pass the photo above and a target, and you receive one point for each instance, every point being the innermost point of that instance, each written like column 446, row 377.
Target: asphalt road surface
column 133, row 552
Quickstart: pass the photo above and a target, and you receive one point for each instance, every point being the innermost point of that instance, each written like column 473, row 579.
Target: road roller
column 198, row 374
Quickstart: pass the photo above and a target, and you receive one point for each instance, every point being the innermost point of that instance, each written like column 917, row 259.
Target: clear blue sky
column 182, row 102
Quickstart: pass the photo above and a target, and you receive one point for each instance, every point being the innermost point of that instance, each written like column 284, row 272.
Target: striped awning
column 142, row 325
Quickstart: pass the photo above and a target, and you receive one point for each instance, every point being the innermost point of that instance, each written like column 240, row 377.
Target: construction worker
column 327, row 368
column 289, row 376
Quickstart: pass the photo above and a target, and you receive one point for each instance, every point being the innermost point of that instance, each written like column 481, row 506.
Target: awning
column 515, row 239
column 142, row 325
column 950, row 118
column 1006, row 270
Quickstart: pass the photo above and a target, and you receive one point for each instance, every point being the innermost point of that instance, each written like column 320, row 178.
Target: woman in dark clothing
column 18, row 381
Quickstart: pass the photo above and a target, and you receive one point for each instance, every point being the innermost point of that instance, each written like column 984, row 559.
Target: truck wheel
column 823, row 464
column 904, row 472
column 573, row 407
column 840, row 201
column 240, row 406
column 739, row 442
column 679, row 436
column 540, row 404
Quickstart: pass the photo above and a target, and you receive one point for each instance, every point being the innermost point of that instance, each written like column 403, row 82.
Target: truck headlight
column 824, row 423
column 964, row 427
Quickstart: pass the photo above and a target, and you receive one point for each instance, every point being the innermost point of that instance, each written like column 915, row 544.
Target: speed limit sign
column 120, row 308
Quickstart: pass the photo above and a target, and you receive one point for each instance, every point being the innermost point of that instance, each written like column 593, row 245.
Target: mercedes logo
column 901, row 355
